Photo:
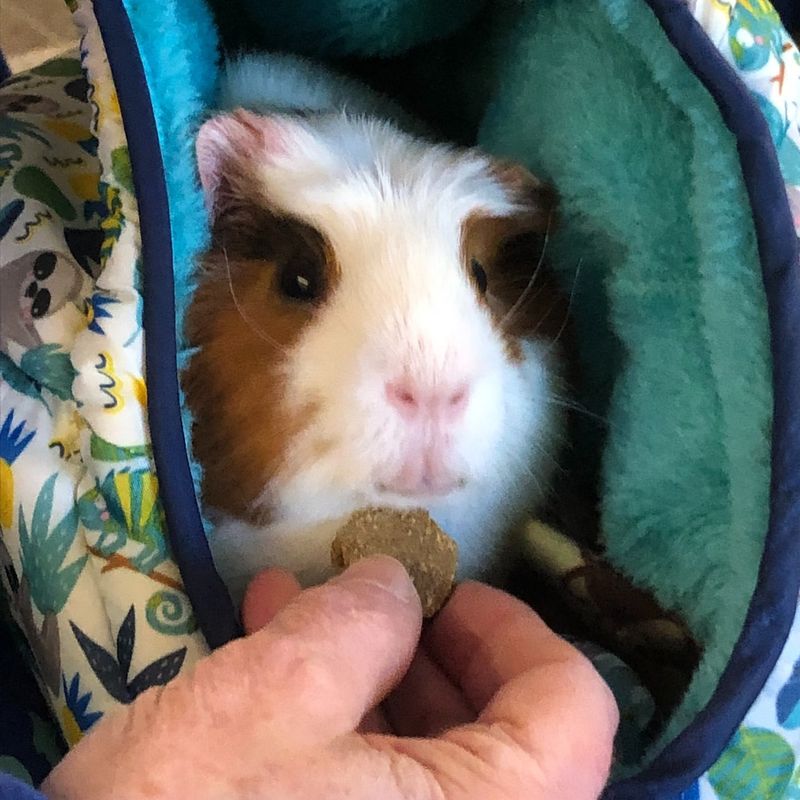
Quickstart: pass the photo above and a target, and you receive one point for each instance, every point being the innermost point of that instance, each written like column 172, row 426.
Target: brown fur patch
column 522, row 294
column 538, row 200
column 235, row 383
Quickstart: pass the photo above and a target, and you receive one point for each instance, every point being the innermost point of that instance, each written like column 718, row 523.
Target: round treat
column 411, row 537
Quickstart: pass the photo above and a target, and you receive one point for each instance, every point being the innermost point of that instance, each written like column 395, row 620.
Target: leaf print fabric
column 757, row 763
column 86, row 568
column 113, row 671
column 788, row 702
column 749, row 34
column 76, row 716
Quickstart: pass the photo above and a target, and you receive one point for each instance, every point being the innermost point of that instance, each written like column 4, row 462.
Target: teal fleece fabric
column 179, row 48
column 668, row 303
column 656, row 211
column 340, row 28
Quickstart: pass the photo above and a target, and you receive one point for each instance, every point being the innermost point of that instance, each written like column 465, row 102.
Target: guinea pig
column 374, row 325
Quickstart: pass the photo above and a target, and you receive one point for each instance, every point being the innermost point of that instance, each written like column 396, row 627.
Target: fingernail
column 385, row 572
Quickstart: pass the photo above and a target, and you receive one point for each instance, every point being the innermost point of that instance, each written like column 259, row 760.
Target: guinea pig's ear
column 221, row 145
column 537, row 200
column 230, row 147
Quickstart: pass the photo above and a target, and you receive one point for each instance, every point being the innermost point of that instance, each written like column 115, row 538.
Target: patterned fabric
column 762, row 760
column 750, row 36
column 87, row 566
column 86, row 561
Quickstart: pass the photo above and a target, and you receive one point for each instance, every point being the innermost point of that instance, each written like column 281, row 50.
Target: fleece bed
column 671, row 132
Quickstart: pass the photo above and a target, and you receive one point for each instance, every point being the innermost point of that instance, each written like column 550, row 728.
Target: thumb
column 334, row 652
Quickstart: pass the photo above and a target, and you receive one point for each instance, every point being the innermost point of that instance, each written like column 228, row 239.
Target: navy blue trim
column 774, row 602
column 210, row 600
column 789, row 11
column 5, row 70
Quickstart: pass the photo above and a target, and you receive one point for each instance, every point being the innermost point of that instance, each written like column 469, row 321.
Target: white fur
column 392, row 207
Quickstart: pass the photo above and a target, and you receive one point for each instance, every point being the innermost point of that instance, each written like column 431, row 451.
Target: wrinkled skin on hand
column 333, row 694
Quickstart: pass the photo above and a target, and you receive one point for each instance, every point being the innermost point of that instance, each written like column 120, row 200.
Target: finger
column 540, row 696
column 426, row 702
column 266, row 595
column 484, row 637
column 324, row 660
column 549, row 732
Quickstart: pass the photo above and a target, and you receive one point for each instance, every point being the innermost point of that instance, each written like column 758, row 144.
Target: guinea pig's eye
column 479, row 274
column 302, row 279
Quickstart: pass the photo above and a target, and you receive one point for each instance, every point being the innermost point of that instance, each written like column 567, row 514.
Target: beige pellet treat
column 413, row 538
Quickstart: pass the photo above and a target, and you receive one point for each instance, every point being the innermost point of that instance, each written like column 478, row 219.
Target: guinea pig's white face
column 397, row 366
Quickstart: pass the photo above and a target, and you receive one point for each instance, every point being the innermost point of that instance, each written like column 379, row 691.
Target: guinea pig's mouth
column 425, row 491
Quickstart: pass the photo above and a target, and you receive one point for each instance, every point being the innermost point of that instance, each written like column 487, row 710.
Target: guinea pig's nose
column 412, row 399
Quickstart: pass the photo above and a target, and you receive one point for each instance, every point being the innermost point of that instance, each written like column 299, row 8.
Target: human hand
column 332, row 695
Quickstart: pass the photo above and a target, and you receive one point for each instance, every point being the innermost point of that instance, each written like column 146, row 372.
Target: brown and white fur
column 350, row 352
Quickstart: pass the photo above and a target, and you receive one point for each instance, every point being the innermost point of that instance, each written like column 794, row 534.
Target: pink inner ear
column 227, row 142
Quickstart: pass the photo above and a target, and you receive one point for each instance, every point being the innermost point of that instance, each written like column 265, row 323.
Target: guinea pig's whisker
column 526, row 291
column 539, row 487
column 575, row 406
column 261, row 334
column 569, row 308
column 539, row 448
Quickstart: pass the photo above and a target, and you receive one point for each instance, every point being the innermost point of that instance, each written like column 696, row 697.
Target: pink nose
column 413, row 400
